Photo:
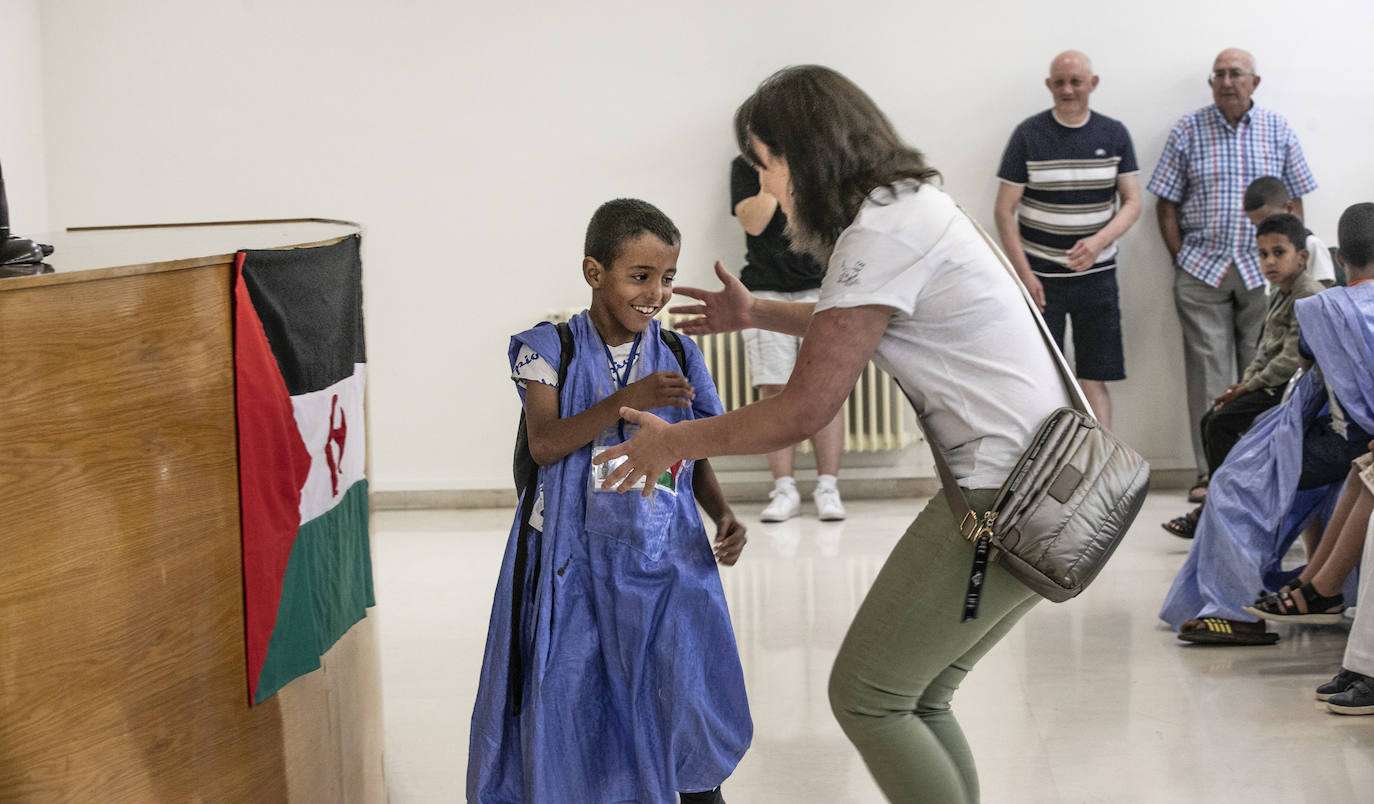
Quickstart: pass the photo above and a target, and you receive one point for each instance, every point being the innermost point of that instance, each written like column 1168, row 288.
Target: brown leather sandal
column 1219, row 631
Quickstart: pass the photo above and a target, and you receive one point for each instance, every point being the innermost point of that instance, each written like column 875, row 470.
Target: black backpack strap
column 525, row 469
column 515, row 678
column 566, row 349
column 674, row 342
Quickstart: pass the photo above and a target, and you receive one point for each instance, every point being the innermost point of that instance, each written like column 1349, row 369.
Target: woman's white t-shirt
column 961, row 340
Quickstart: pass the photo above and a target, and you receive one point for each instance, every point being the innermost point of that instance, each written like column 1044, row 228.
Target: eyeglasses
column 1218, row 76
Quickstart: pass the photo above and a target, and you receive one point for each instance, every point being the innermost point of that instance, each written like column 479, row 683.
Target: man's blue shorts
column 1090, row 302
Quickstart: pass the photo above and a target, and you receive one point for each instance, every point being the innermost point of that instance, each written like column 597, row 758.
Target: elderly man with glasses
column 1211, row 156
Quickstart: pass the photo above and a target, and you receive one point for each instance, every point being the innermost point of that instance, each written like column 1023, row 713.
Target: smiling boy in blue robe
column 625, row 683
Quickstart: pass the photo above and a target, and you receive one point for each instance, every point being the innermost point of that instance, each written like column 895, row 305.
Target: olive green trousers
column 906, row 653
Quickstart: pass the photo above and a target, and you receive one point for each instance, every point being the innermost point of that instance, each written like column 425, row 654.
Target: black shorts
column 1090, row 302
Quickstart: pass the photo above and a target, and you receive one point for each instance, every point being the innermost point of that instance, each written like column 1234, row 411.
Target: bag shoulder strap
column 957, row 502
column 1077, row 400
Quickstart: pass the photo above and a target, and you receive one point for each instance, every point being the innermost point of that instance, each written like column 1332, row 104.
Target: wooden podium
column 122, row 668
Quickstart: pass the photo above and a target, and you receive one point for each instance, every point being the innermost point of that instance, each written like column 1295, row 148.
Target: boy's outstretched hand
column 724, row 310
column 730, row 539
column 662, row 389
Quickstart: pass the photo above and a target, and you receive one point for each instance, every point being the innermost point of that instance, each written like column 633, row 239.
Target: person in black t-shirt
column 773, row 271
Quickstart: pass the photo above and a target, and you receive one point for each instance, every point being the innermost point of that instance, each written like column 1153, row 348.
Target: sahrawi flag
column 299, row 364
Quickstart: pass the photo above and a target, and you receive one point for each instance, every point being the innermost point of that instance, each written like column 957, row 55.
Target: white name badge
column 537, row 514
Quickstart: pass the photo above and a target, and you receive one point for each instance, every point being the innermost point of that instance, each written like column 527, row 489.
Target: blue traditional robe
column 1254, row 510
column 628, row 685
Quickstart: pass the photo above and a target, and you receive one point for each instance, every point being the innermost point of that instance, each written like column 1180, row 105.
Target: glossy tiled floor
column 1090, row 700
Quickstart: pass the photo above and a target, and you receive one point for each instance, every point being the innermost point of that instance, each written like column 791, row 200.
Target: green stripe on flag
column 328, row 588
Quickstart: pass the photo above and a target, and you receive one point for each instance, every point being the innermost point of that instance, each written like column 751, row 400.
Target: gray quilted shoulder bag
column 1066, row 505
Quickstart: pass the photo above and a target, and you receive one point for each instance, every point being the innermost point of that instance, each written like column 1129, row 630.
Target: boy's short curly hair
column 1355, row 235
column 623, row 219
column 1287, row 225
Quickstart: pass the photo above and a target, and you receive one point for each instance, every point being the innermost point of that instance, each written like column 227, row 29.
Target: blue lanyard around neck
column 621, row 378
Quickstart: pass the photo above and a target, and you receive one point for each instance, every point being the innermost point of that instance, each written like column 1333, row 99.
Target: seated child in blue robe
column 611, row 672
column 1293, row 459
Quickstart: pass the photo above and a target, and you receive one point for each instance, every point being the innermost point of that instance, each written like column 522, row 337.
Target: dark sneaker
column 1357, row 699
column 1338, row 683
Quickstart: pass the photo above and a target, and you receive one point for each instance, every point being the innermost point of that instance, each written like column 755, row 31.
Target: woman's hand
column 730, row 539
column 647, row 453
column 725, row 310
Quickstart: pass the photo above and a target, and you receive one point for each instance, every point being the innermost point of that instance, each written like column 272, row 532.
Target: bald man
column 1211, row 156
column 1069, row 189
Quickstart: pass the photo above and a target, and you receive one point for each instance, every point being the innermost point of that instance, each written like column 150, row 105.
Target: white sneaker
column 785, row 504
column 828, row 505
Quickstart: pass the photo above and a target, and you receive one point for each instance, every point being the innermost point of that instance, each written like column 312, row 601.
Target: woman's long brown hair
column 838, row 145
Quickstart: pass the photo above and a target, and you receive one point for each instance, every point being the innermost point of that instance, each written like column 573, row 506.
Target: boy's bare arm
column 553, row 438
column 730, row 538
column 707, row 490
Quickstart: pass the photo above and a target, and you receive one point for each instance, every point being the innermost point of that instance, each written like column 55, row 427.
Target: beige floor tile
column 1093, row 700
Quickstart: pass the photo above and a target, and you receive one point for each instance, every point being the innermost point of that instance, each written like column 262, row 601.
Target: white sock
column 826, row 482
column 785, row 484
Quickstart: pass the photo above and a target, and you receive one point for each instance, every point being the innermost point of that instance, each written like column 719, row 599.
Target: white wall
column 474, row 140
column 21, row 117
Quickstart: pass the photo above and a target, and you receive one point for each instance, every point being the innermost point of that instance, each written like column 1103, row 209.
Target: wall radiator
column 875, row 410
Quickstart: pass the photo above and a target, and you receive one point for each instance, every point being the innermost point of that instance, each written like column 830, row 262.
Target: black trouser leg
column 1223, row 427
column 1326, row 456
column 704, row 797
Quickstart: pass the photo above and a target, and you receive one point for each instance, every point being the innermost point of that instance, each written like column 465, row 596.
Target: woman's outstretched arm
column 734, row 308
column 835, row 351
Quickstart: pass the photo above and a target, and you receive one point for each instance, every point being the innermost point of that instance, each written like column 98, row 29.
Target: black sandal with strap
column 1283, row 607
column 1184, row 526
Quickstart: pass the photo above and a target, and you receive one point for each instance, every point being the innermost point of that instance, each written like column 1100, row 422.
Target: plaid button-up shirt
column 1205, row 168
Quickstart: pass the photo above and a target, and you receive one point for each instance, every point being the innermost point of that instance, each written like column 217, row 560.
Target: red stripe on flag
column 273, row 464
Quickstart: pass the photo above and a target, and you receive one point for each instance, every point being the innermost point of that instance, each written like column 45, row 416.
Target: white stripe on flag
column 321, row 416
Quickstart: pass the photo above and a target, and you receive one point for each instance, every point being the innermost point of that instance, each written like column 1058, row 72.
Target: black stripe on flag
column 310, row 301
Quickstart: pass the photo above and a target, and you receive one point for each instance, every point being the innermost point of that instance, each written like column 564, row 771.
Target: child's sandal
column 1184, row 526
column 1320, row 610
